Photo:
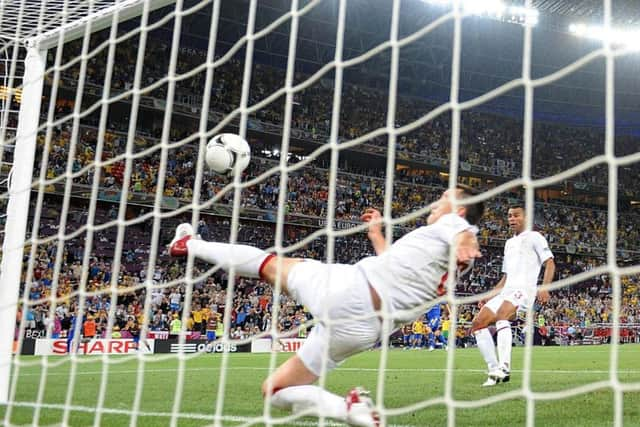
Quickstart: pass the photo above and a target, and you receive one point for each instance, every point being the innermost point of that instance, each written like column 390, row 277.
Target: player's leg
column 439, row 337
column 430, row 339
column 70, row 337
column 484, row 339
column 291, row 373
column 270, row 270
column 505, row 313
column 314, row 285
column 291, row 388
column 433, row 338
column 249, row 261
column 356, row 408
column 487, row 315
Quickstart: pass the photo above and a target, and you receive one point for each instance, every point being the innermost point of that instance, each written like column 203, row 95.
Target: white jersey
column 409, row 273
column 524, row 255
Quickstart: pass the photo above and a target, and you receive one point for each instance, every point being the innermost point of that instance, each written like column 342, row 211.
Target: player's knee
column 502, row 324
column 477, row 324
column 270, row 269
column 268, row 388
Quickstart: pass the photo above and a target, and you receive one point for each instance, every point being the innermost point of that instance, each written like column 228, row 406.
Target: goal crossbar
column 41, row 23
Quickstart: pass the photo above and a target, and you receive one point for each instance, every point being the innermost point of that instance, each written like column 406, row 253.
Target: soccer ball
column 228, row 152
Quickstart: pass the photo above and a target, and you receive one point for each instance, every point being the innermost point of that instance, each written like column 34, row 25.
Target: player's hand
column 467, row 247
column 374, row 218
column 466, row 252
column 543, row 296
column 464, row 268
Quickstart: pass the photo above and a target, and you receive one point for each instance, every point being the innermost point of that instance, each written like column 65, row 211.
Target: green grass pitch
column 411, row 377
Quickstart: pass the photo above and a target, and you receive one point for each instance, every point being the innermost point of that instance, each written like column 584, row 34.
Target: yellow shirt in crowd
column 418, row 327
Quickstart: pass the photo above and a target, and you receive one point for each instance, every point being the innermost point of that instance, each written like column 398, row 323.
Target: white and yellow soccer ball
column 227, row 153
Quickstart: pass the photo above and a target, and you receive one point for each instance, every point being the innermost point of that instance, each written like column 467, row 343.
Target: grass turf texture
column 410, row 377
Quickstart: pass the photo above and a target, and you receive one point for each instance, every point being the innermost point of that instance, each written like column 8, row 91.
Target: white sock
column 487, row 348
column 246, row 259
column 505, row 339
column 312, row 400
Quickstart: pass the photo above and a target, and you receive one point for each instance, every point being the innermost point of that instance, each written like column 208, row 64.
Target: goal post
column 18, row 208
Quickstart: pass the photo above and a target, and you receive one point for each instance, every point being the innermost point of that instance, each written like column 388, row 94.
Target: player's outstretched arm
column 549, row 273
column 375, row 235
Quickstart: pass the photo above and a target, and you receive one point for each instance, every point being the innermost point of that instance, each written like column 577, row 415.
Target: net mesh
column 85, row 155
column 18, row 21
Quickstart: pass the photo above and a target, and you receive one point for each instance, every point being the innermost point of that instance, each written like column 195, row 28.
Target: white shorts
column 334, row 294
column 521, row 298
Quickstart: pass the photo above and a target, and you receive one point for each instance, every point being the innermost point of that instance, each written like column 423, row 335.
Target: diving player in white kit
column 348, row 299
column 524, row 255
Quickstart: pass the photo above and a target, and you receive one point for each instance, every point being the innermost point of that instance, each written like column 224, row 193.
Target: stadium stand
column 490, row 146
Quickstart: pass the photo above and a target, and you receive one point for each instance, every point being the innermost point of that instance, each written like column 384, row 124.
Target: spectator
column 175, row 325
column 89, row 328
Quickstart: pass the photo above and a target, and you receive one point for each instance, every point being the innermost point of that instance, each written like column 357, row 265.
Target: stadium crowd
column 581, row 305
column 489, row 142
column 578, row 234
column 582, row 228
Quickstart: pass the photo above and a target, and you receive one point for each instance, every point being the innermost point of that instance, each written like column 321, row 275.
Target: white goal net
column 107, row 107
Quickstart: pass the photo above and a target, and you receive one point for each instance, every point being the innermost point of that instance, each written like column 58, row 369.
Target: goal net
column 107, row 107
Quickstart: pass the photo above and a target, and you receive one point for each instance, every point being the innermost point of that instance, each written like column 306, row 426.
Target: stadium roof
column 41, row 21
